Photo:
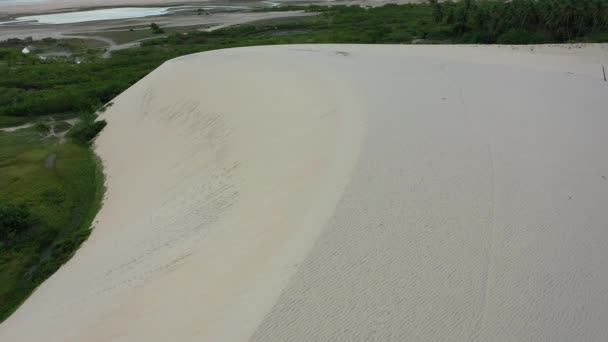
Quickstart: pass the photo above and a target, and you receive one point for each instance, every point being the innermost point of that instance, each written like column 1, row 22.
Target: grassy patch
column 62, row 126
column 86, row 130
column 62, row 197
column 73, row 45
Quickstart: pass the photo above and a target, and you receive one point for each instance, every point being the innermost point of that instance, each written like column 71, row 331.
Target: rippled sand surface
column 346, row 193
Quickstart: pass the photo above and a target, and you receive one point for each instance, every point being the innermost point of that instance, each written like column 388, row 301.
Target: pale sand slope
column 346, row 193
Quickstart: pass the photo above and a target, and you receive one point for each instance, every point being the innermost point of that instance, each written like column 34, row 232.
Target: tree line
column 522, row 21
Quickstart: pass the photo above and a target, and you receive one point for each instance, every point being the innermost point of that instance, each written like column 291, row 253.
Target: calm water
column 102, row 14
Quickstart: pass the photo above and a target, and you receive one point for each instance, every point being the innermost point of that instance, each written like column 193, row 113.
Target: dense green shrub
column 86, row 130
column 49, row 101
column 14, row 220
column 522, row 21
column 59, row 204
column 519, row 36
column 156, row 29
column 42, row 127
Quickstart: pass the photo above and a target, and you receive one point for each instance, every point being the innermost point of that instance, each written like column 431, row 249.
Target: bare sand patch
column 346, row 193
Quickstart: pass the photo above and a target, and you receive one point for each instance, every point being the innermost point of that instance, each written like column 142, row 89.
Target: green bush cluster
column 60, row 88
column 42, row 127
column 521, row 21
column 45, row 213
column 85, row 131
column 14, row 219
column 156, row 29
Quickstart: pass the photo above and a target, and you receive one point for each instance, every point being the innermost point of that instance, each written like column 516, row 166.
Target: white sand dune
column 346, row 193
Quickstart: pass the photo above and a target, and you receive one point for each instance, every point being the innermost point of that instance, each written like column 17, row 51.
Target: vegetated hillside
column 50, row 193
column 523, row 21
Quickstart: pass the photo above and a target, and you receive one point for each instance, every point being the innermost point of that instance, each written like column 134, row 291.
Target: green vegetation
column 522, row 21
column 466, row 21
column 74, row 46
column 86, row 130
column 156, row 29
column 14, row 221
column 62, row 126
column 50, row 194
column 42, row 127
column 51, row 190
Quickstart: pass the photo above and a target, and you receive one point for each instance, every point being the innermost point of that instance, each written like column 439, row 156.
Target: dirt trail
column 52, row 133
column 15, row 128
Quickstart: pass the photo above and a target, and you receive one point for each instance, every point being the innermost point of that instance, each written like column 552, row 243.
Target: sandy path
column 15, row 128
column 346, row 193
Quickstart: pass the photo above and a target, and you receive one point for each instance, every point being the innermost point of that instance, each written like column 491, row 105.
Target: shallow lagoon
column 101, row 14
column 105, row 14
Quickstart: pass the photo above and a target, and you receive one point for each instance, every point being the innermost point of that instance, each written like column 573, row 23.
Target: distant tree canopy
column 522, row 21
column 156, row 29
